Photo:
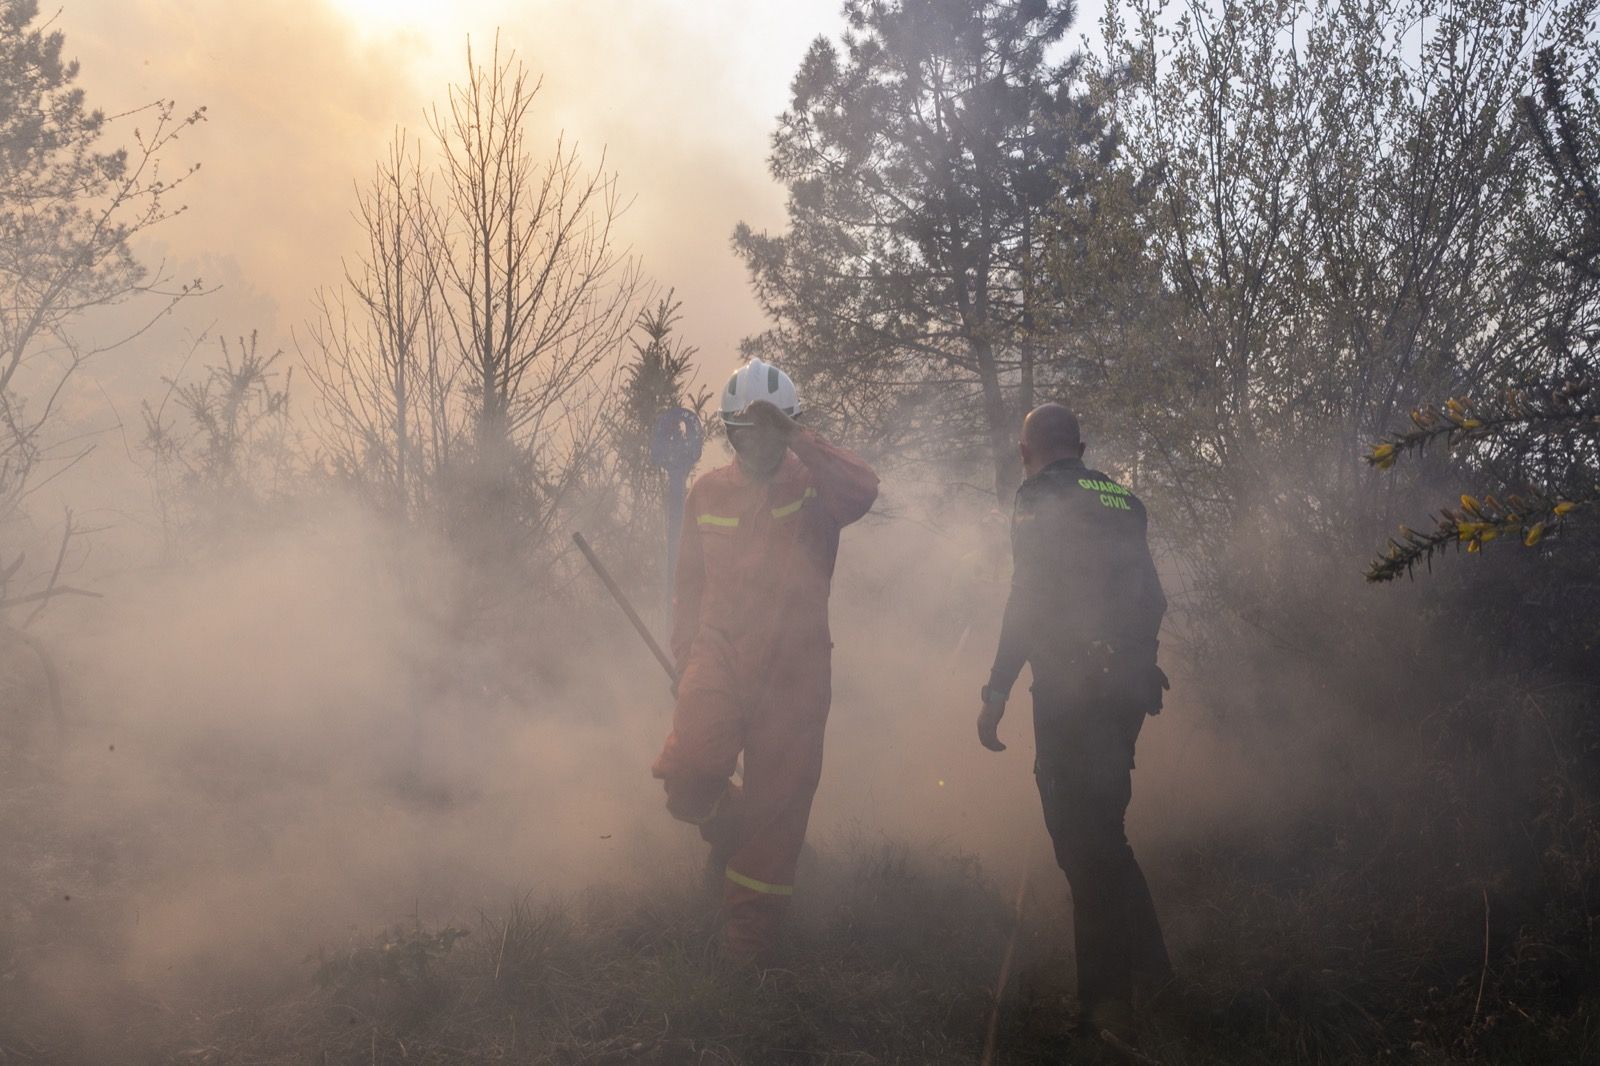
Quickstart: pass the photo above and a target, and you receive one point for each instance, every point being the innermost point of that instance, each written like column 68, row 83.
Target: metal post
column 675, row 447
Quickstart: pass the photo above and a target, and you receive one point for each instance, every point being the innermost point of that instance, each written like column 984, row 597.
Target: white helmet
column 758, row 381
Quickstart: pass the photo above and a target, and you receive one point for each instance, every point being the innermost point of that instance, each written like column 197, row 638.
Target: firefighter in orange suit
column 750, row 636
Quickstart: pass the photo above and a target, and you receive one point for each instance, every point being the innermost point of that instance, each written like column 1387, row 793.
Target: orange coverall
column 750, row 636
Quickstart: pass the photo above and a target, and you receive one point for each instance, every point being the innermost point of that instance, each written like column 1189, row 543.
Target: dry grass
column 1351, row 938
column 891, row 958
column 888, row 961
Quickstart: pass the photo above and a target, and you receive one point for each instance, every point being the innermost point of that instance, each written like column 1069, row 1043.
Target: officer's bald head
column 1050, row 432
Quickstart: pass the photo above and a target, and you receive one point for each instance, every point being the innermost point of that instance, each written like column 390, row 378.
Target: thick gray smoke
column 269, row 750
column 288, row 744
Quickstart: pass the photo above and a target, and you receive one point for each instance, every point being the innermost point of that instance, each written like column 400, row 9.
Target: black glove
column 994, row 709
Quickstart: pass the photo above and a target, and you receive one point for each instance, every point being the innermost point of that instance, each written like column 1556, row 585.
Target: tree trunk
column 1002, row 433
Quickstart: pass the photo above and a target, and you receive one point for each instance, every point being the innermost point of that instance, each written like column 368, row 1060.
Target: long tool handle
column 627, row 608
column 1005, row 963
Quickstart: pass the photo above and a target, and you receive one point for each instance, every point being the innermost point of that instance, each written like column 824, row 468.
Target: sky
column 678, row 97
column 302, row 97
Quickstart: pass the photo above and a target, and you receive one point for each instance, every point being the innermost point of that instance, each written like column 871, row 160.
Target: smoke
column 303, row 734
column 295, row 739
column 285, row 743
column 292, row 740
column 304, row 95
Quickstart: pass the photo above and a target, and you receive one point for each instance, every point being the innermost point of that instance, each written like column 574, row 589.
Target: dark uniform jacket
column 1086, row 603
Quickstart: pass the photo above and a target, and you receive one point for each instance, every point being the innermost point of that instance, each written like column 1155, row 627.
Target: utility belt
column 1094, row 656
column 1099, row 672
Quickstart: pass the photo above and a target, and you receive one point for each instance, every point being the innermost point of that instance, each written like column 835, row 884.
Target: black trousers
column 1084, row 772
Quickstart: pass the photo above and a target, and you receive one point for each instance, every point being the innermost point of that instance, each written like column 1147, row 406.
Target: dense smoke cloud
column 291, row 723
column 303, row 96
column 269, row 751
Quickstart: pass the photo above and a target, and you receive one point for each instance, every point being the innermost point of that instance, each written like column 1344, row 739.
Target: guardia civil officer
column 1084, row 612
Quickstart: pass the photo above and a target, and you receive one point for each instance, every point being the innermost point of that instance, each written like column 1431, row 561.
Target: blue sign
column 675, row 442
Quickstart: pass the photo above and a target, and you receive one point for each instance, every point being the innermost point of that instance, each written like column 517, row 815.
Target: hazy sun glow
column 387, row 15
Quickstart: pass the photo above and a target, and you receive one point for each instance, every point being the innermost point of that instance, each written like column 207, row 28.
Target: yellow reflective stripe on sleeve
column 790, row 508
column 718, row 520
column 758, row 886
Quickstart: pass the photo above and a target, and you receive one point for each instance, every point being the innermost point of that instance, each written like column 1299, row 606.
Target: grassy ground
column 890, row 959
column 1407, row 930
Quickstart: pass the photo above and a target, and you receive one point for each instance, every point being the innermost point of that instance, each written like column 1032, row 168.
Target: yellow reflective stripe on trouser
column 790, row 508
column 758, row 886
column 718, row 520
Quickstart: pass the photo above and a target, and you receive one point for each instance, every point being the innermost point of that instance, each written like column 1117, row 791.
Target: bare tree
column 229, row 451
column 540, row 292
column 459, row 363
column 379, row 365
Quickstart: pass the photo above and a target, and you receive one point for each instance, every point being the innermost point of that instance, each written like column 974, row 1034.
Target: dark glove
column 994, row 709
column 1165, row 686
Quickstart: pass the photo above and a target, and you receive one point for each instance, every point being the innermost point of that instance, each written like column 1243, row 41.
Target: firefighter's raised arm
column 846, row 485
